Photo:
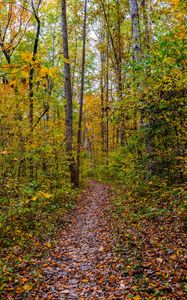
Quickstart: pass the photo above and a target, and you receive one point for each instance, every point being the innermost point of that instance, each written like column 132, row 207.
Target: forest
column 92, row 149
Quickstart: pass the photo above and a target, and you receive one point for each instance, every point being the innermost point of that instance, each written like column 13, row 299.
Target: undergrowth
column 30, row 216
column 149, row 224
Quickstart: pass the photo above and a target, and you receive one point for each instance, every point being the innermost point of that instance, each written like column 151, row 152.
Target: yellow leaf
column 26, row 56
column 175, row 2
column 27, row 287
column 85, row 280
column 46, row 195
column 43, row 71
column 18, row 232
column 53, row 72
column 48, row 245
column 34, row 198
column 137, row 298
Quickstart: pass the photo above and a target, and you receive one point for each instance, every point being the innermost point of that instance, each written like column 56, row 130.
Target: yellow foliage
column 27, row 287
column 53, row 72
column 47, row 196
column 43, row 72
column 175, row 2
column 48, row 245
column 27, row 56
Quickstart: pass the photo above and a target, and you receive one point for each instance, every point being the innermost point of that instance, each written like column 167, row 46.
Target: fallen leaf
column 65, row 291
column 101, row 248
column 24, row 279
column 19, row 290
column 27, row 287
column 85, row 280
column 48, row 245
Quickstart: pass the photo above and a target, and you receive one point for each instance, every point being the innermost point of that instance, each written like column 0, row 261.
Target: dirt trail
column 83, row 265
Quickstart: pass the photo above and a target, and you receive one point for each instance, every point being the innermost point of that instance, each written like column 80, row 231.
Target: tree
column 68, row 94
column 136, row 37
column 79, row 135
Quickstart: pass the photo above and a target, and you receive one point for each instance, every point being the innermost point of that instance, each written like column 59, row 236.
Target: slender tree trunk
column 79, row 135
column 75, row 65
column 116, row 47
column 31, row 78
column 136, row 36
column 117, row 137
column 119, row 74
column 149, row 141
column 68, row 95
column 107, row 101
column 146, row 29
column 102, row 104
column 31, row 73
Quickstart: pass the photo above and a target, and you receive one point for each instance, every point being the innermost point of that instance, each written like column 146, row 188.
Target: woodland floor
column 82, row 264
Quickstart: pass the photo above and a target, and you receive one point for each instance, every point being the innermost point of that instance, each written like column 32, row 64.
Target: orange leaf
column 24, row 279
column 19, row 290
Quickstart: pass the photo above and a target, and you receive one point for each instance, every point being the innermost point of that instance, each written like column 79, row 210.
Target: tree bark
column 146, row 29
column 79, row 135
column 107, row 101
column 102, row 104
column 136, row 36
column 68, row 95
column 31, row 78
column 31, row 73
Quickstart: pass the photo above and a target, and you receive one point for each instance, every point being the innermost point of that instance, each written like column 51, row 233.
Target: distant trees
column 123, row 56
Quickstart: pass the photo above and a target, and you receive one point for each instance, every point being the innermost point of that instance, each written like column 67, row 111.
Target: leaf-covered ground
column 151, row 238
column 82, row 263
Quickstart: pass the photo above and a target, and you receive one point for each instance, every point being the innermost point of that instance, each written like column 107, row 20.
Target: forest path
column 82, row 265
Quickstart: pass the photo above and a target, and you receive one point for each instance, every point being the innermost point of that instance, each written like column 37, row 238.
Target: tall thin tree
column 68, row 95
column 79, row 135
column 31, row 76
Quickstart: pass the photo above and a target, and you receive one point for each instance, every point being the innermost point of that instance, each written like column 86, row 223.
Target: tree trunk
column 31, row 77
column 107, row 101
column 136, row 37
column 79, row 135
column 68, row 95
column 118, row 60
column 102, row 104
column 146, row 29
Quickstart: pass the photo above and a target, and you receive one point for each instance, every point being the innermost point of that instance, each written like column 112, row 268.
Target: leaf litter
column 82, row 264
